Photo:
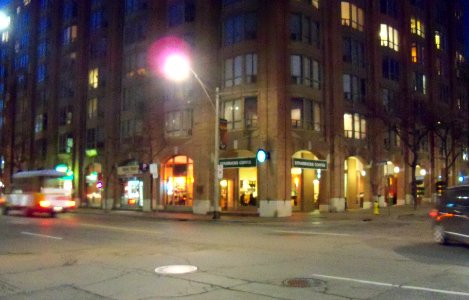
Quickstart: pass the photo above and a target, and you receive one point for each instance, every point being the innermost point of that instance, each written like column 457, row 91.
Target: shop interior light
column 296, row 171
column 93, row 176
column 61, row 168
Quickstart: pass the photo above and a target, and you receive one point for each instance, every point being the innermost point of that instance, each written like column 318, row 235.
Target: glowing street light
column 4, row 21
column 177, row 67
column 174, row 64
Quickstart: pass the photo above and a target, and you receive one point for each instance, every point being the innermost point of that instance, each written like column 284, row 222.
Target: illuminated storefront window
column 133, row 193
column 247, row 187
column 295, row 186
column 93, row 192
column 179, row 181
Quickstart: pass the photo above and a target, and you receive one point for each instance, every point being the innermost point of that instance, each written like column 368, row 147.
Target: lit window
column 352, row 16
column 233, row 113
column 416, row 27
column 93, row 78
column 354, row 126
column 5, row 36
column 417, row 53
column 437, row 40
column 389, row 37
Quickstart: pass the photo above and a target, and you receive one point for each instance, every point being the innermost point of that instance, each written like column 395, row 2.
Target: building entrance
column 178, row 181
column 305, row 180
column 239, row 186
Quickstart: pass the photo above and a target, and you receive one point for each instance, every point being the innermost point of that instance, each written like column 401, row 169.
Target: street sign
column 154, row 170
column 220, row 171
column 128, row 170
column 309, row 164
column 238, row 162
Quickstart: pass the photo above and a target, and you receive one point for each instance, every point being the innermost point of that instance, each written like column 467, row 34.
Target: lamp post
column 177, row 68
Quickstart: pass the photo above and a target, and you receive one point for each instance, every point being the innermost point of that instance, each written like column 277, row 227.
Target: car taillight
column 45, row 203
column 441, row 216
column 433, row 213
column 70, row 203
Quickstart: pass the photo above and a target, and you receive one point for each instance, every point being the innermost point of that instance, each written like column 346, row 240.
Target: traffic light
column 262, row 155
column 440, row 187
column 420, row 188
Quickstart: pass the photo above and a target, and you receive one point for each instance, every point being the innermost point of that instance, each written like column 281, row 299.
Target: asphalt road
column 111, row 256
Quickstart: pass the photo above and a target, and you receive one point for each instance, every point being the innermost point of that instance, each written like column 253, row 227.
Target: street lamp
column 176, row 67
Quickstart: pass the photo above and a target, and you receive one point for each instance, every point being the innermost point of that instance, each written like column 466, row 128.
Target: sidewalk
column 402, row 212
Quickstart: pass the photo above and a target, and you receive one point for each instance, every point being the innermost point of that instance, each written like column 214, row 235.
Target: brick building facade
column 338, row 92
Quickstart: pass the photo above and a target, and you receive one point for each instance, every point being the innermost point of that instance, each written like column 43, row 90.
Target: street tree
column 452, row 133
column 412, row 121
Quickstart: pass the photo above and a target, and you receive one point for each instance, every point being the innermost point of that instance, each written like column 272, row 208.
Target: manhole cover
column 305, row 283
column 176, row 269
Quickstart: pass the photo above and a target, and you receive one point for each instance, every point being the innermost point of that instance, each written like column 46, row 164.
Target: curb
column 297, row 217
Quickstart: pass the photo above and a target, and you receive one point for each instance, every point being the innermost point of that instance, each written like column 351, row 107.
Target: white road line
column 312, row 233
column 42, row 235
column 408, row 287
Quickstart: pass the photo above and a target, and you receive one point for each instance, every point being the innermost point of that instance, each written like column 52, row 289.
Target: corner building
column 307, row 80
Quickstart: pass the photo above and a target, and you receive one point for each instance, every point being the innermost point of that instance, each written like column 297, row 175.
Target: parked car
column 450, row 217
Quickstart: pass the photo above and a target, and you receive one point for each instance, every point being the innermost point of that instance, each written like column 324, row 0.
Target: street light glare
column 169, row 57
column 4, row 21
column 176, row 67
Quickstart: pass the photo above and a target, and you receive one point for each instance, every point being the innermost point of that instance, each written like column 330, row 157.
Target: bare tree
column 412, row 122
column 453, row 136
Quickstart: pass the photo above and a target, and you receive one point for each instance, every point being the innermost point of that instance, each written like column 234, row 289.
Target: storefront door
column 178, row 180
